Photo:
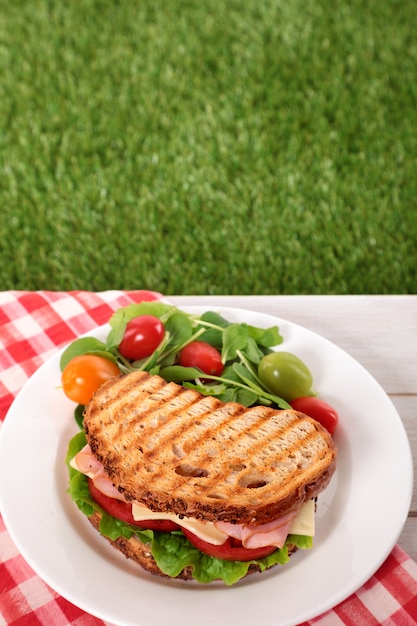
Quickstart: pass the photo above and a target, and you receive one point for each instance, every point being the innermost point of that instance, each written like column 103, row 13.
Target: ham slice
column 271, row 534
column 103, row 483
column 88, row 464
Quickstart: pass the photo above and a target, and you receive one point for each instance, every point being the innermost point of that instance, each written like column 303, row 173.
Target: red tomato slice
column 231, row 550
column 123, row 511
column 318, row 410
column 202, row 355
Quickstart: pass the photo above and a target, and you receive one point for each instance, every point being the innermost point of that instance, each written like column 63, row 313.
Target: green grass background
column 239, row 147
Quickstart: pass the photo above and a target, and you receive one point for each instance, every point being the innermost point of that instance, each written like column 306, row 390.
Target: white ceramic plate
column 356, row 524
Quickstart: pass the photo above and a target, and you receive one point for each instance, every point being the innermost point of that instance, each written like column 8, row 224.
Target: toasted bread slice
column 175, row 450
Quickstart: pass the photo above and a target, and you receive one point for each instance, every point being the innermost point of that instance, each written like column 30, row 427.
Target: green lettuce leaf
column 78, row 490
column 172, row 551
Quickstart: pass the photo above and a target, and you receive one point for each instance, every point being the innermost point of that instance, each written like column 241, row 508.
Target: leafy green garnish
column 79, row 415
column 85, row 345
column 235, row 338
column 212, row 325
column 242, row 347
column 178, row 373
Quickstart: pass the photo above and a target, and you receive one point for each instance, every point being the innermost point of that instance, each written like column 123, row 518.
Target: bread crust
column 141, row 554
column 174, row 450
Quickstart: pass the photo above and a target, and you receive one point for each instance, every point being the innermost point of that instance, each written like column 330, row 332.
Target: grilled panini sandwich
column 219, row 471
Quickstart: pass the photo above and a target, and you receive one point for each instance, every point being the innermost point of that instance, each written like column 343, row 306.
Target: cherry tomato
column 231, row 550
column 319, row 410
column 202, row 355
column 123, row 511
column 142, row 336
column 285, row 375
column 84, row 374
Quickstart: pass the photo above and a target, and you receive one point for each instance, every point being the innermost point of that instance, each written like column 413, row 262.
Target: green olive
column 285, row 375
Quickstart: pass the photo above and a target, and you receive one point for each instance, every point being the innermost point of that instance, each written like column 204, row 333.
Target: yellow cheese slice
column 204, row 530
column 304, row 523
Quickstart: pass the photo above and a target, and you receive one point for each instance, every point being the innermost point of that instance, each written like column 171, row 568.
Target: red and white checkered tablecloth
column 33, row 325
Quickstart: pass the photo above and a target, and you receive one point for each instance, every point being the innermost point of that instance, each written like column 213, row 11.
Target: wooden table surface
column 380, row 332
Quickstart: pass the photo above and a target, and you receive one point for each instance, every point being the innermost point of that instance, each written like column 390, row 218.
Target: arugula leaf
column 254, row 384
column 213, row 318
column 266, row 337
column 207, row 390
column 242, row 396
column 178, row 373
column 76, row 444
column 251, row 340
column 230, row 374
column 85, row 345
column 79, row 415
column 245, row 374
column 252, row 351
column 213, row 326
column 180, row 329
column 229, row 394
column 180, row 332
column 235, row 337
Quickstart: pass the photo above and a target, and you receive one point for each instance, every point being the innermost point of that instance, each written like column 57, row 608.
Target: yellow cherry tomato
column 84, row 374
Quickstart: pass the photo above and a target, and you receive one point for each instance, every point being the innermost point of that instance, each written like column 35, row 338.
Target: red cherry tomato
column 123, row 511
column 202, row 355
column 318, row 410
column 231, row 550
column 84, row 374
column 142, row 336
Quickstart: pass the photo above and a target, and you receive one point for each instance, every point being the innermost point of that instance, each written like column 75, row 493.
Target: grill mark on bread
column 162, row 436
column 189, row 437
column 259, row 437
column 173, row 449
column 247, row 474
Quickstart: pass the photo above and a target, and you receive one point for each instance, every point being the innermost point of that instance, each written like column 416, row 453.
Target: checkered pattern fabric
column 33, row 325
